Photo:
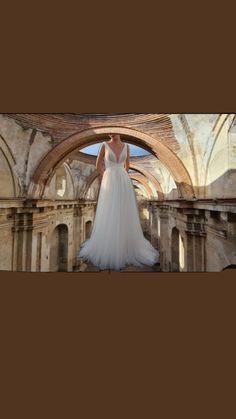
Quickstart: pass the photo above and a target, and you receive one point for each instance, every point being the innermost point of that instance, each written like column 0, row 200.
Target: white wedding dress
column 117, row 238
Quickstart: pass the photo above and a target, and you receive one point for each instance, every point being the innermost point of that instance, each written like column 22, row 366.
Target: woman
column 117, row 238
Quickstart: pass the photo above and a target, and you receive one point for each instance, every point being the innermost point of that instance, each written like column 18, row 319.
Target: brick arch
column 88, row 182
column 150, row 177
column 139, row 186
column 60, row 152
column 143, row 181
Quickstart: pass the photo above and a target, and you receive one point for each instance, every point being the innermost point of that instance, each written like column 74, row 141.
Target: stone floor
column 89, row 267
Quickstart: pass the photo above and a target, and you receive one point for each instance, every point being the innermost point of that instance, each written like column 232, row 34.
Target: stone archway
column 139, row 188
column 87, row 184
column 141, row 179
column 233, row 266
column 60, row 152
column 150, row 177
column 59, row 249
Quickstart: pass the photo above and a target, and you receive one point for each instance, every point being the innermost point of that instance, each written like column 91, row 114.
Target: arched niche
column 88, row 229
column 61, row 185
column 9, row 187
column 59, row 249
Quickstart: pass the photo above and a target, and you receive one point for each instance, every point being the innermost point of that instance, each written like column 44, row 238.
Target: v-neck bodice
column 110, row 157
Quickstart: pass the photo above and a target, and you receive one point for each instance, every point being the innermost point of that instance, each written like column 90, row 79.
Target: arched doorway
column 175, row 250
column 233, row 266
column 88, row 228
column 59, row 249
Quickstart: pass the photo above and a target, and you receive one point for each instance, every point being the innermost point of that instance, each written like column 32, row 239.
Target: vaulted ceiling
column 61, row 126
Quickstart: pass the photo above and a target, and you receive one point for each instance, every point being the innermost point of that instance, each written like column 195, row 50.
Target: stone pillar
column 164, row 245
column 151, row 221
column 199, row 254
column 195, row 231
column 76, row 234
column 155, row 226
column 15, row 249
column 36, row 252
column 22, row 247
column 190, row 252
column 45, row 251
column 195, row 251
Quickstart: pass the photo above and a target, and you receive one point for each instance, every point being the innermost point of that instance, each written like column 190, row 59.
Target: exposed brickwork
column 150, row 177
column 61, row 126
column 141, row 179
column 59, row 153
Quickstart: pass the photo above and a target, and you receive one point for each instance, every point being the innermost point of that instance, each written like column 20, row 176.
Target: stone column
column 154, row 225
column 22, row 247
column 164, row 245
column 196, row 248
column 190, row 251
column 36, row 251
column 76, row 234
column 15, row 248
column 199, row 253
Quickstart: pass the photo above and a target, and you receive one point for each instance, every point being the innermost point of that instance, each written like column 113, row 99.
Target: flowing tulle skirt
column 117, row 238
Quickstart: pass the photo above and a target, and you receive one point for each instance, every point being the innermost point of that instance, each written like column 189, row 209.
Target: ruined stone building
column 185, row 186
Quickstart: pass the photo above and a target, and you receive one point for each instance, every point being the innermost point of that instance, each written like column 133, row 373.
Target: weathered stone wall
column 7, row 237
column 7, row 189
column 207, row 235
column 27, row 147
column 61, row 185
column 208, row 152
column 29, row 233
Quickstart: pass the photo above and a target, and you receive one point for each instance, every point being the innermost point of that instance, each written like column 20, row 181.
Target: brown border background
column 115, row 345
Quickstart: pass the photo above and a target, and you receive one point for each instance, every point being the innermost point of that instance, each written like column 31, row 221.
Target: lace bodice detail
column 110, row 158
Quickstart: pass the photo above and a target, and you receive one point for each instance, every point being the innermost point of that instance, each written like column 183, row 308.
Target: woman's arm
column 99, row 161
column 127, row 159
